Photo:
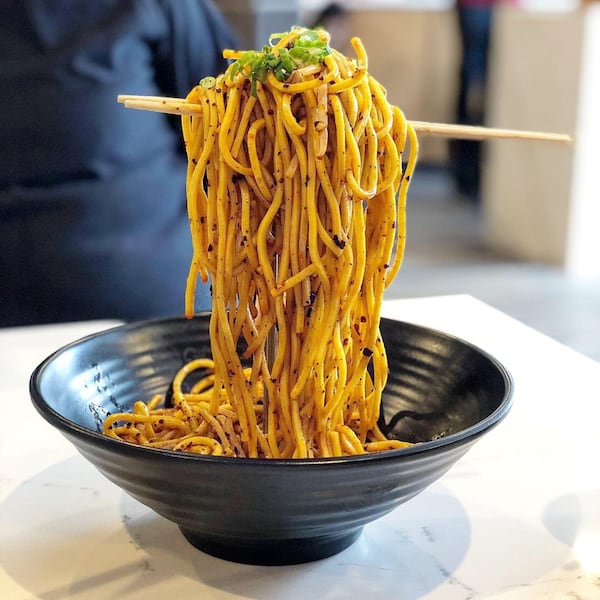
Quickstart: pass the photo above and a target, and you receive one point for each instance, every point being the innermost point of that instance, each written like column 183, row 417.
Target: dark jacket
column 93, row 221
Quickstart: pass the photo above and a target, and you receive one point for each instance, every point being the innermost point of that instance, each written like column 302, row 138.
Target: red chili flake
column 338, row 242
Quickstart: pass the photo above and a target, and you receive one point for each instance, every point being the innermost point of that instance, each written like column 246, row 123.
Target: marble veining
column 517, row 518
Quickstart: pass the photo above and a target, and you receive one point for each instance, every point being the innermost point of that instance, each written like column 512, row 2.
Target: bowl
column 443, row 393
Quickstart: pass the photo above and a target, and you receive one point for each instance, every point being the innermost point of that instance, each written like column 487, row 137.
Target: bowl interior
column 439, row 387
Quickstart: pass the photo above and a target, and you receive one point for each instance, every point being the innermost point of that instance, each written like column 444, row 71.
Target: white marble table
column 517, row 518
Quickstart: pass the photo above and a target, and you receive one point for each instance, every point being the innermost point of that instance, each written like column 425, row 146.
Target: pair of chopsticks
column 180, row 106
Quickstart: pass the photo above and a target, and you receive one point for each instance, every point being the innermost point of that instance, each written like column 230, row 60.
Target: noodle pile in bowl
column 296, row 198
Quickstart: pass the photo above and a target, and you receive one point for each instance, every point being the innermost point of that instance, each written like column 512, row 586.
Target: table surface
column 518, row 517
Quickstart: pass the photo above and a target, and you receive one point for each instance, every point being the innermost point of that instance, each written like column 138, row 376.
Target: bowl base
column 272, row 552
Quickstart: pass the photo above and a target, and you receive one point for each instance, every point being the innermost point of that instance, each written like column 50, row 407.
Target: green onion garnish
column 308, row 49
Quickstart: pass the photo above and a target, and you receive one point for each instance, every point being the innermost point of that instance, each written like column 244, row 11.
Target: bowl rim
column 70, row 428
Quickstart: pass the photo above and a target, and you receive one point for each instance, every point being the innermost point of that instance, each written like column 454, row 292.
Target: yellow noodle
column 296, row 198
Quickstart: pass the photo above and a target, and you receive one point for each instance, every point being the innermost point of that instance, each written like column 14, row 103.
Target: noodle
column 296, row 199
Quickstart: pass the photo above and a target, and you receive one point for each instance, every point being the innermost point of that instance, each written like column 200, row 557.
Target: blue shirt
column 92, row 195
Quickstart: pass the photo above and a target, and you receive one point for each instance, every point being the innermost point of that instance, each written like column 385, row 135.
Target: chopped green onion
column 308, row 49
column 208, row 82
column 275, row 37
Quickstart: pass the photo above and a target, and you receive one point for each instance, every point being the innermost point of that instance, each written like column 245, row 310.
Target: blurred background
column 522, row 236
column 82, row 199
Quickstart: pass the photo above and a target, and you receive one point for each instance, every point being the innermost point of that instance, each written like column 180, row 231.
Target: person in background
column 93, row 222
column 475, row 21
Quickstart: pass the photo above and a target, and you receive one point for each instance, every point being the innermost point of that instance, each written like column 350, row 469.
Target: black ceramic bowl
column 442, row 392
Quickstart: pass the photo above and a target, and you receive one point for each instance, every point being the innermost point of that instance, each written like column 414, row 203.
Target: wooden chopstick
column 180, row 106
column 163, row 104
column 473, row 132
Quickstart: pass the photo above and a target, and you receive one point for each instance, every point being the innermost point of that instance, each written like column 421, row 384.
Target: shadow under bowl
column 442, row 393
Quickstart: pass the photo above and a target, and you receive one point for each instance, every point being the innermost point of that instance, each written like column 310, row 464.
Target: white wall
column 542, row 200
column 583, row 240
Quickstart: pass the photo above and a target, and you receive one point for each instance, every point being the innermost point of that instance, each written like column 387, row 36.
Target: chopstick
column 180, row 106
column 473, row 132
column 163, row 104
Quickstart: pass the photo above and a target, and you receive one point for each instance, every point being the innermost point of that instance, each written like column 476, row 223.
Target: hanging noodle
column 296, row 198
